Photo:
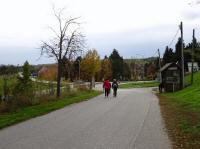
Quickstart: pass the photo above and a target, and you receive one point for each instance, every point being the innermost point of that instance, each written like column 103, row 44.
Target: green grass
column 190, row 96
column 139, row 84
column 184, row 110
column 34, row 111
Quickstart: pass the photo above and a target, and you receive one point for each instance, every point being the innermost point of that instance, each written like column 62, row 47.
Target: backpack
column 115, row 85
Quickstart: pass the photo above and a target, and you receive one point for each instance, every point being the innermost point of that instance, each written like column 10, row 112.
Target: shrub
column 24, row 91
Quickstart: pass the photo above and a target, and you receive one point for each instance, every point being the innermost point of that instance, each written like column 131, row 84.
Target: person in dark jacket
column 106, row 87
column 114, row 87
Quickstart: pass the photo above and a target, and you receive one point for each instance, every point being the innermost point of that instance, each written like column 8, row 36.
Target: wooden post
column 182, row 57
column 193, row 46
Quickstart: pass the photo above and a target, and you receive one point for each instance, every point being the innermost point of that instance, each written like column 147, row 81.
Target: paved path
column 130, row 121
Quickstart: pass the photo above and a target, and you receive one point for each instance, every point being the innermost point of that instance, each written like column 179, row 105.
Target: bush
column 24, row 91
column 4, row 107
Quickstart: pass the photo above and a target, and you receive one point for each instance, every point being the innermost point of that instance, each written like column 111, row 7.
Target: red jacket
column 106, row 84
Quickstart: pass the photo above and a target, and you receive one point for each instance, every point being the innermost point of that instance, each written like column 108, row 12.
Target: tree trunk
column 58, row 79
column 92, row 82
column 69, row 72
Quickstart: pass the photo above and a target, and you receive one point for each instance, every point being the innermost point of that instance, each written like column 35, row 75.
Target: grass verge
column 37, row 110
column 181, row 111
column 139, row 84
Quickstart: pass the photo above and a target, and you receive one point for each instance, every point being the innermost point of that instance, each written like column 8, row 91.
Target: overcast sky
column 136, row 28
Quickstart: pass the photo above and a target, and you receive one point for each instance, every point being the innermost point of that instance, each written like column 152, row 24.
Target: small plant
column 24, row 89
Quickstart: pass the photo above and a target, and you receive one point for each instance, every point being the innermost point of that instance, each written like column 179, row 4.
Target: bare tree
column 67, row 42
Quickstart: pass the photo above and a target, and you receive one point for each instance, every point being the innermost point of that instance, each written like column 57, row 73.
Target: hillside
column 181, row 112
column 190, row 96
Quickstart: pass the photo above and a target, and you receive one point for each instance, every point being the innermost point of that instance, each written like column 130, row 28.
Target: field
column 139, row 84
column 181, row 111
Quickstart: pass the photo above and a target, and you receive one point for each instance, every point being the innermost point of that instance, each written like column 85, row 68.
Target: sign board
column 172, row 68
column 171, row 79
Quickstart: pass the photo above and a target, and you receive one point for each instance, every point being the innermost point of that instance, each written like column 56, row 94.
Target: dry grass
column 180, row 123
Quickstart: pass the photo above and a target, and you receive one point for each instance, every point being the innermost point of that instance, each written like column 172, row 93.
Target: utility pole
column 160, row 77
column 193, row 47
column 182, row 57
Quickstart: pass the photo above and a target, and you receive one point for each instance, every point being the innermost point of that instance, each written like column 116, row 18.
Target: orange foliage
column 48, row 73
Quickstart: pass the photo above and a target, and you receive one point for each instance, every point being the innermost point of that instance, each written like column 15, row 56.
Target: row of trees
column 90, row 67
column 68, row 42
column 171, row 55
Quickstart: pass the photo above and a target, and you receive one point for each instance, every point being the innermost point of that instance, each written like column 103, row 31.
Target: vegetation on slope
column 181, row 111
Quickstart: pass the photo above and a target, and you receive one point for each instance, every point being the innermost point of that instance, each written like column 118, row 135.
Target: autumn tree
column 90, row 65
column 66, row 43
column 106, row 68
column 48, row 73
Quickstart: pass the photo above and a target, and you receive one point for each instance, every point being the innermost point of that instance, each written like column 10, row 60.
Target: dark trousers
column 107, row 91
column 115, row 92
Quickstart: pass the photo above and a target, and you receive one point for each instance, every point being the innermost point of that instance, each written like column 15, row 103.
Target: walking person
column 106, row 87
column 114, row 87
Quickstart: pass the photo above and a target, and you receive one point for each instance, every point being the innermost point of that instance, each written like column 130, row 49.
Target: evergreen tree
column 117, row 64
column 24, row 89
column 178, row 51
column 126, row 71
column 26, row 73
column 169, row 56
column 76, row 66
column 24, row 83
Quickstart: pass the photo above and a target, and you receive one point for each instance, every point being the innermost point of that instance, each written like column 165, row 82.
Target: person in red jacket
column 106, row 87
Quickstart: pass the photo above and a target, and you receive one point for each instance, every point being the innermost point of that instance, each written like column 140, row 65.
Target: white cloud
column 125, row 23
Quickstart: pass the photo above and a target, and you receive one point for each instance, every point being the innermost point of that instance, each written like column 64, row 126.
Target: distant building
column 34, row 74
column 195, row 66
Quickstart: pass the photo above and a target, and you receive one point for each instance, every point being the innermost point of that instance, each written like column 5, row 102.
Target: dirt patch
column 181, row 124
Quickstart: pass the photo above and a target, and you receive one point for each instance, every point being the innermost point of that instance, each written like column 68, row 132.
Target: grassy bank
column 139, row 84
column 181, row 111
column 33, row 111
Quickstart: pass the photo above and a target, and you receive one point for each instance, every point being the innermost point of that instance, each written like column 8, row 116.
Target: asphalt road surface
column 130, row 121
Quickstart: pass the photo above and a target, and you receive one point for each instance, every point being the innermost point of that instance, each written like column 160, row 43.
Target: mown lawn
column 37, row 110
column 181, row 111
column 139, row 84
